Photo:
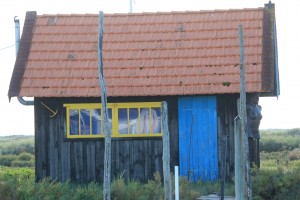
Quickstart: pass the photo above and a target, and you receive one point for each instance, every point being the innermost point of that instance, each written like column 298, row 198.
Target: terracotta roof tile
column 147, row 54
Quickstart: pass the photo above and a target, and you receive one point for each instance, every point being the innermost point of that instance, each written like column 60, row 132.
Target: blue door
column 198, row 150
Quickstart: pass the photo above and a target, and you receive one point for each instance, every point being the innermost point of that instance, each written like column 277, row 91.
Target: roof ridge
column 153, row 13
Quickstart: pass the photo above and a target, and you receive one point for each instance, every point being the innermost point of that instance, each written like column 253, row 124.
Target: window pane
column 156, row 120
column 74, row 116
column 145, row 120
column 123, row 121
column 110, row 119
column 133, row 117
column 96, row 121
column 85, row 121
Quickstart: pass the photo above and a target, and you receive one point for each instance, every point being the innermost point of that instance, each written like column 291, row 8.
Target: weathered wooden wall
column 227, row 111
column 81, row 160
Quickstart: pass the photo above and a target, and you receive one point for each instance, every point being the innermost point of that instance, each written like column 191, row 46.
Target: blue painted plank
column 198, row 155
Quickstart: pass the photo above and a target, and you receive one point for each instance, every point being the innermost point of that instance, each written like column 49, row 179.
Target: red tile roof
column 147, row 54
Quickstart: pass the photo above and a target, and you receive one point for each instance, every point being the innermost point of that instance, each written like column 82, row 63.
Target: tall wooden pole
column 238, row 159
column 245, row 166
column 104, row 113
column 166, row 152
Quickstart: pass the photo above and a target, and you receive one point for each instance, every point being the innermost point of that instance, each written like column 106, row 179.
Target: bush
column 185, row 190
column 154, row 189
column 16, row 144
column 276, row 184
column 21, row 163
column 15, row 182
column 25, row 157
column 118, row 188
column 279, row 140
column 8, row 189
column 6, row 160
column 89, row 192
column 294, row 155
column 22, row 160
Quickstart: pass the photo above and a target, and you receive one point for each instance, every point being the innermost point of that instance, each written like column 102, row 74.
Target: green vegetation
column 279, row 174
column 18, row 183
column 16, row 144
column 277, row 178
column 17, row 151
column 279, row 140
column 276, row 184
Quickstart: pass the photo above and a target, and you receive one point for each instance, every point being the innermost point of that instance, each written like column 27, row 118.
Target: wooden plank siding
column 81, row 160
column 227, row 111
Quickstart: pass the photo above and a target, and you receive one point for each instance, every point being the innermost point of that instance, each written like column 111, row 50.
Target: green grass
column 276, row 183
column 279, row 140
column 279, row 174
column 278, row 177
column 18, row 183
column 21, row 160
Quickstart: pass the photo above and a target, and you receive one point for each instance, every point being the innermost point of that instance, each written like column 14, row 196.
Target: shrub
column 185, row 190
column 118, row 188
column 21, row 163
column 154, row 189
column 276, row 184
column 89, row 192
column 16, row 144
column 15, row 182
column 8, row 189
column 6, row 160
column 294, row 155
column 48, row 189
column 135, row 190
column 25, row 156
column 279, row 140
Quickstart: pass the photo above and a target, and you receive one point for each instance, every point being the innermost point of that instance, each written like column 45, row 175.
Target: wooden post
column 166, row 152
column 237, row 157
column 245, row 167
column 104, row 113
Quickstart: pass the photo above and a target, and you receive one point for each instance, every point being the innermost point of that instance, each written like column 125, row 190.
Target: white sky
column 282, row 113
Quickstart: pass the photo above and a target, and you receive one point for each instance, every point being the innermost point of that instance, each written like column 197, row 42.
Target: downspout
column 17, row 35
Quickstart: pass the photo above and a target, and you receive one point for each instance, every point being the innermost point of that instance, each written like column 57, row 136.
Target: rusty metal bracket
column 51, row 110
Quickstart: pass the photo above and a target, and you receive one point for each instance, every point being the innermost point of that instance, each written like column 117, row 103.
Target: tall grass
column 279, row 140
column 16, row 144
column 19, row 183
column 21, row 160
column 276, row 184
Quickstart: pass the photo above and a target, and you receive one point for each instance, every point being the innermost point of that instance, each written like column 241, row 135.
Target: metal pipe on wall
column 17, row 34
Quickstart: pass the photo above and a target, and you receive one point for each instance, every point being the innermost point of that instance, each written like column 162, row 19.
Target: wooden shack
column 188, row 59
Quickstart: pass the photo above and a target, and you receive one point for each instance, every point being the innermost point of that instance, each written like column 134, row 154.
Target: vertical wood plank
column 78, row 164
column 84, row 162
column 99, row 161
column 91, row 161
column 52, row 149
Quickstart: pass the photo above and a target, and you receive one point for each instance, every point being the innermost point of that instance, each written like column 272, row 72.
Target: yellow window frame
column 115, row 119
column 79, row 107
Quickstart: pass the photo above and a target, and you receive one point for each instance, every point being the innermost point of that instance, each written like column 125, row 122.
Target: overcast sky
column 282, row 113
